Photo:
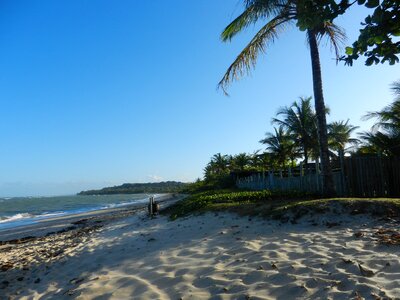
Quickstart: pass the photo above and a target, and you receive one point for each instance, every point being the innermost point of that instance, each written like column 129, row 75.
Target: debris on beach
column 359, row 234
column 347, row 261
column 365, row 272
column 388, row 236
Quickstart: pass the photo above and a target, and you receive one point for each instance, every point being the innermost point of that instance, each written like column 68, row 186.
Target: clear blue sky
column 98, row 93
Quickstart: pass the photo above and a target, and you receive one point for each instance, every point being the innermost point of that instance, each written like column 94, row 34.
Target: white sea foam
column 15, row 217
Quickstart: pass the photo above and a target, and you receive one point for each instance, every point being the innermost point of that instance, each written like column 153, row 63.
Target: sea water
column 21, row 211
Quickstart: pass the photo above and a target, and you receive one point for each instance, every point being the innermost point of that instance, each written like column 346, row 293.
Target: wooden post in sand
column 151, row 200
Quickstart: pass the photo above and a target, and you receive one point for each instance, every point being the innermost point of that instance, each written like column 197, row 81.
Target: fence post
column 263, row 180
column 271, row 180
column 342, row 177
column 151, row 201
column 317, row 173
column 383, row 177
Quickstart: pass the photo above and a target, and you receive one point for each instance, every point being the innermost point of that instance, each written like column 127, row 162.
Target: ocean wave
column 15, row 217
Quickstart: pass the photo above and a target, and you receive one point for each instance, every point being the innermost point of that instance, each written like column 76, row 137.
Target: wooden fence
column 372, row 176
column 356, row 176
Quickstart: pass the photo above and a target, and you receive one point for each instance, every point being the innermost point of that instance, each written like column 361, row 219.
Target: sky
column 99, row 93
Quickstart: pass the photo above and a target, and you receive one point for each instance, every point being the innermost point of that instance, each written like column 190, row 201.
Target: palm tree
column 241, row 161
column 262, row 161
column 385, row 134
column 339, row 135
column 299, row 120
column 256, row 161
column 314, row 18
column 388, row 118
column 219, row 163
column 281, row 146
column 387, row 143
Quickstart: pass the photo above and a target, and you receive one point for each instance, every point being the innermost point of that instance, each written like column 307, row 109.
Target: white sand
column 218, row 256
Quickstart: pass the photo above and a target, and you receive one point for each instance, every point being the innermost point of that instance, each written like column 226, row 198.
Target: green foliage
column 312, row 14
column 220, row 199
column 339, row 135
column 239, row 196
column 211, row 184
column 378, row 40
column 281, row 146
column 300, row 121
column 384, row 137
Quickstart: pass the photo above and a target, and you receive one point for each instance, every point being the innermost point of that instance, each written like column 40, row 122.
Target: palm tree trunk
column 305, row 155
column 328, row 187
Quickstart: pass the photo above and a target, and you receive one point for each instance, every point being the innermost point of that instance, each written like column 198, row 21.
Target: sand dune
column 218, row 256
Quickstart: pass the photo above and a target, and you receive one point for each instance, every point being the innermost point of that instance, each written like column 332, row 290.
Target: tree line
column 294, row 139
column 139, row 188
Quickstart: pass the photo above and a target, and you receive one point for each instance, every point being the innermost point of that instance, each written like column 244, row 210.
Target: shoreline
column 42, row 227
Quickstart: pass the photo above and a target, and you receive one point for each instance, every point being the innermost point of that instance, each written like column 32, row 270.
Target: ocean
column 21, row 211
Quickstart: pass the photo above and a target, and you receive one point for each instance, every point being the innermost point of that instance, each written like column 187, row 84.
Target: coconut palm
column 299, row 120
column 388, row 118
column 387, row 143
column 385, row 134
column 255, row 159
column 339, row 135
column 220, row 162
column 241, row 161
column 281, row 146
column 314, row 17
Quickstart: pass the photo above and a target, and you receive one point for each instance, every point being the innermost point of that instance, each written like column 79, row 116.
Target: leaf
column 349, row 51
column 393, row 59
column 379, row 39
column 369, row 61
column 361, row 2
column 372, row 3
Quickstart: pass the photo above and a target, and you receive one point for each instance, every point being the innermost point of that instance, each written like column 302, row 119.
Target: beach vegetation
column 227, row 199
column 284, row 206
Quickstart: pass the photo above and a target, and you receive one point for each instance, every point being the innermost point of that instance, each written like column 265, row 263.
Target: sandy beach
column 209, row 256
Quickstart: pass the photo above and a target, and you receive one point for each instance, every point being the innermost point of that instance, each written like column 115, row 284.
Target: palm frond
column 254, row 11
column 247, row 59
column 396, row 88
column 336, row 36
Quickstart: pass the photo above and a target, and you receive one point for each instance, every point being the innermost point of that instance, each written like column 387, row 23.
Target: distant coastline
column 139, row 188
